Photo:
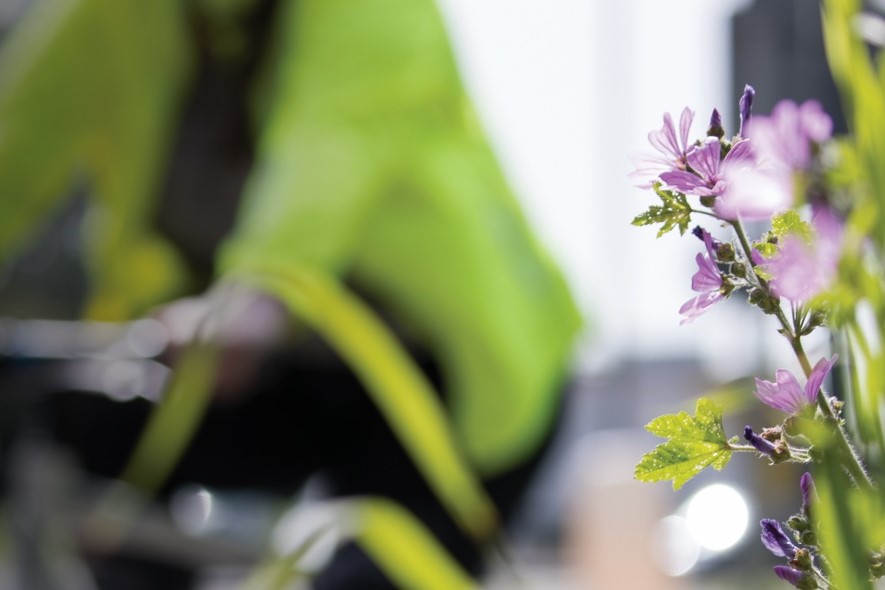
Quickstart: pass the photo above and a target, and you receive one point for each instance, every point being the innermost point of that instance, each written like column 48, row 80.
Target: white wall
column 568, row 89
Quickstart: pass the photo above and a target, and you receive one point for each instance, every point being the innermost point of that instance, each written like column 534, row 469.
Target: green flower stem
column 854, row 466
column 761, row 283
column 707, row 213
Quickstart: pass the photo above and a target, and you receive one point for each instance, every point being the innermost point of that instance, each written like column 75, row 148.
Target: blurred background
column 566, row 92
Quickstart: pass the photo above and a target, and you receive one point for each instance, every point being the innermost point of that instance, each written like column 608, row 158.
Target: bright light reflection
column 674, row 549
column 717, row 517
column 193, row 510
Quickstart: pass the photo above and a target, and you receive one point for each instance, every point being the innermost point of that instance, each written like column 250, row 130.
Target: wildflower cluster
column 772, row 172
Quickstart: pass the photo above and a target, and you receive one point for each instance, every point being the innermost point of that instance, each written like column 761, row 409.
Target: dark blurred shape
column 778, row 48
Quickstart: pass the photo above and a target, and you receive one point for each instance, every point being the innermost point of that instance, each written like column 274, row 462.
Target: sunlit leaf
column 675, row 212
column 695, row 443
column 790, row 223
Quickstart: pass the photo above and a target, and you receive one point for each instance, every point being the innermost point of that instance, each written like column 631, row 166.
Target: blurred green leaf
column 695, row 443
column 789, row 222
column 849, row 526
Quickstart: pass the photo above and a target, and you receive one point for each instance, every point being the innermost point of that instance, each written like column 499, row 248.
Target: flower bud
column 836, row 405
column 809, row 493
column 715, row 129
column 708, row 200
column 808, row 538
column 802, row 560
column 763, row 301
column 776, row 451
column 798, row 523
column 745, row 105
column 725, row 252
column 818, row 318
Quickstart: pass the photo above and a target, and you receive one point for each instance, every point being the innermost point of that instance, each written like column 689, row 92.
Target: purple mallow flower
column 710, row 169
column 754, row 192
column 789, row 574
column 672, row 149
column 707, row 281
column 776, row 540
column 783, row 144
column 785, row 394
column 785, row 139
column 801, row 270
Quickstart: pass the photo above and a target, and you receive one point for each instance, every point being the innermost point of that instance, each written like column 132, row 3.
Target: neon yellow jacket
column 372, row 166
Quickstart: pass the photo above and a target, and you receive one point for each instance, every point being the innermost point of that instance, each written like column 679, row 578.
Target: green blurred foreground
column 371, row 172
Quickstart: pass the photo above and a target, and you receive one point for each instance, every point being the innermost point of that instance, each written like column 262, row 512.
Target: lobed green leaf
column 789, row 223
column 675, row 212
column 695, row 443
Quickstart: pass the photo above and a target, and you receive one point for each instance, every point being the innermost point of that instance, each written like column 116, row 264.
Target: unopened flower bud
column 745, row 105
column 763, row 301
column 776, row 451
column 739, row 270
column 715, row 129
column 809, row 493
column 836, row 405
column 808, row 538
column 802, row 560
column 798, row 523
column 818, row 318
column 725, row 252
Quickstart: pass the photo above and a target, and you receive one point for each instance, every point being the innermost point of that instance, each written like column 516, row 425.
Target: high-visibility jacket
column 372, row 166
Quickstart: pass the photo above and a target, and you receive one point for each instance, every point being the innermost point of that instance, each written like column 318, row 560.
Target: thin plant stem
column 791, row 332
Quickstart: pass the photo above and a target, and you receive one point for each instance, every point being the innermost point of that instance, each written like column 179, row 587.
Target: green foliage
column 789, row 223
column 849, row 524
column 694, row 443
column 675, row 212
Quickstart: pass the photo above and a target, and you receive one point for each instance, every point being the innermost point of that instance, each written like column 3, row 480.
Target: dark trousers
column 303, row 419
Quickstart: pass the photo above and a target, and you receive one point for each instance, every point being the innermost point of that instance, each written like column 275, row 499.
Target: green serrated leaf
column 695, row 443
column 789, row 222
column 681, row 460
column 705, row 425
column 675, row 212
column 766, row 249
